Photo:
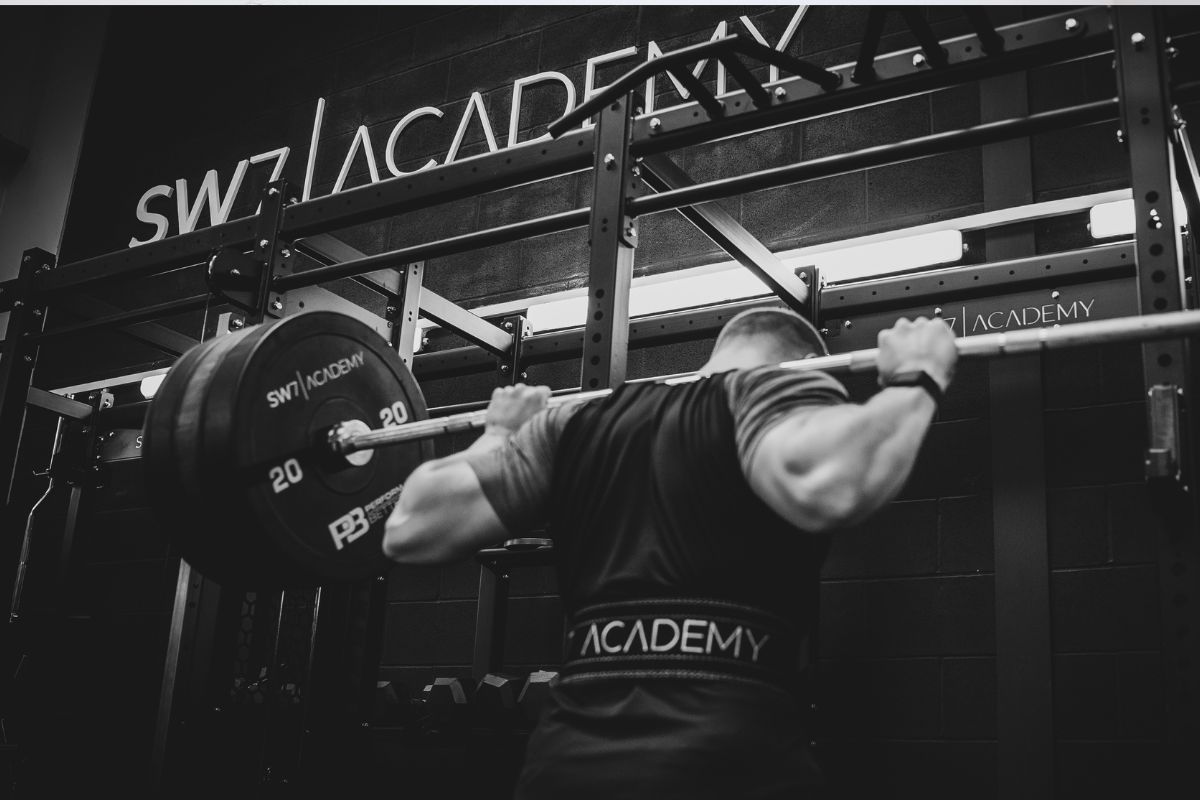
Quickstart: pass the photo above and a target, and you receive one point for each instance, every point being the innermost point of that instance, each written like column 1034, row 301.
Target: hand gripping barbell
column 275, row 454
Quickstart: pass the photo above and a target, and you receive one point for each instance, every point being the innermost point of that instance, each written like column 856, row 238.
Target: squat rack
column 250, row 261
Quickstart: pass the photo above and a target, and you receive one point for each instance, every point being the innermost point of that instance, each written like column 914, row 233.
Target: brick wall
column 907, row 679
column 1108, row 704
column 908, row 669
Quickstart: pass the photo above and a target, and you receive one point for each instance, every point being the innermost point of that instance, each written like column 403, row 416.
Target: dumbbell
column 497, row 700
column 448, row 701
column 395, row 705
column 534, row 693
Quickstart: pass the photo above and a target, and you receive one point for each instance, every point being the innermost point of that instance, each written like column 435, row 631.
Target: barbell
column 275, row 454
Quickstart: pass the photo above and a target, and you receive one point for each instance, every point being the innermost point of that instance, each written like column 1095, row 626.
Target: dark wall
column 908, row 670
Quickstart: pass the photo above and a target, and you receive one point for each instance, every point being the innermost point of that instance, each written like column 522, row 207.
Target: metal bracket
column 509, row 370
column 89, row 477
column 244, row 279
column 274, row 253
column 80, row 464
column 235, row 276
column 810, row 276
column 9, row 294
column 1163, row 454
column 403, row 316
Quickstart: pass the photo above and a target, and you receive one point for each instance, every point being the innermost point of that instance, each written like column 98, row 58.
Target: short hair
column 792, row 334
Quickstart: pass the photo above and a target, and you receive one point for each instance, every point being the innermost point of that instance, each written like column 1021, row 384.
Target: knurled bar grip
column 993, row 345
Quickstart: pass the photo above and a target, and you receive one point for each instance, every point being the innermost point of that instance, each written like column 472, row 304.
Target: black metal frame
column 17, row 361
column 612, row 240
column 612, row 149
column 1149, row 129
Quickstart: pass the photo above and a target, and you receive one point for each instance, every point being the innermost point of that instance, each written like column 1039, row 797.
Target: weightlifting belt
column 681, row 638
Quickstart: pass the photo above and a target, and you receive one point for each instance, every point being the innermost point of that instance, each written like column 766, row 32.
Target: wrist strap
column 918, row 378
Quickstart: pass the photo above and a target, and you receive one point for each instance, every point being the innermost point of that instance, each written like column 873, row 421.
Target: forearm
column 442, row 514
column 837, row 465
column 883, row 443
column 826, row 468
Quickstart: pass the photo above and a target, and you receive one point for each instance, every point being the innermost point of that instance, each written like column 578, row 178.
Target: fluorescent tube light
column 149, row 385
column 1111, row 219
column 881, row 258
column 1116, row 219
column 556, row 314
column 656, row 294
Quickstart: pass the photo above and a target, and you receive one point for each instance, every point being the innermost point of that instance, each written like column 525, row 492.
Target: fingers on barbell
column 522, row 389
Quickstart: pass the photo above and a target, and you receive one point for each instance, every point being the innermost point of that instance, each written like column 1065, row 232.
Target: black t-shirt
column 646, row 491
column 645, row 495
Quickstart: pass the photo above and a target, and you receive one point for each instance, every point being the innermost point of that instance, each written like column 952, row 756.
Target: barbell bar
column 256, row 492
column 348, row 438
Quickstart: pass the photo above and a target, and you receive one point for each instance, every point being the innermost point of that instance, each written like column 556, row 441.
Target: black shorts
column 664, row 739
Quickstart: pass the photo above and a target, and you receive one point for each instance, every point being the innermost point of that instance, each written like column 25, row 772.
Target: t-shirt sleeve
column 760, row 398
column 516, row 476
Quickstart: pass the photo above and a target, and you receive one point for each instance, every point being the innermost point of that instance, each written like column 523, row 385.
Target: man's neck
column 738, row 357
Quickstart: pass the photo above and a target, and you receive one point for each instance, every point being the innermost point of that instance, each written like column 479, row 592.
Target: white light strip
column 1117, row 218
column 876, row 258
column 150, row 385
column 135, row 377
column 987, row 219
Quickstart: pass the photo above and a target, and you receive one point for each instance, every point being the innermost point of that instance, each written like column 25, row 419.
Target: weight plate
column 205, row 539
column 160, row 454
column 268, row 408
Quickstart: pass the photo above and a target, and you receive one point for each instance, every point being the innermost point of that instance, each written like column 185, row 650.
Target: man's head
column 762, row 336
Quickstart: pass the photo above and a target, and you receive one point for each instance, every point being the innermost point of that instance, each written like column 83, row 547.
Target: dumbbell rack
column 623, row 146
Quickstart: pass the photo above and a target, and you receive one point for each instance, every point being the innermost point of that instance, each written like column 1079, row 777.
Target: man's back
column 649, row 498
column 649, row 504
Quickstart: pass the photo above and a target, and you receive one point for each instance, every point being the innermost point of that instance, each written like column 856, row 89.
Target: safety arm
column 830, row 467
column 443, row 514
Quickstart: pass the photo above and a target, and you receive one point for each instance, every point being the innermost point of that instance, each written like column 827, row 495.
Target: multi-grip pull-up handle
column 725, row 50
column 343, row 440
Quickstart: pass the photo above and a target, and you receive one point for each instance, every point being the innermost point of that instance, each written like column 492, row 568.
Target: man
column 689, row 523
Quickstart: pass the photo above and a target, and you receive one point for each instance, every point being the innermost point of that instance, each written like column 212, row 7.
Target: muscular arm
column 443, row 514
column 823, row 468
column 454, row 506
